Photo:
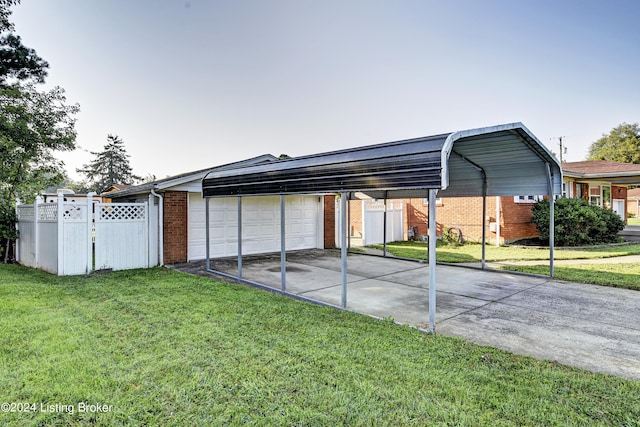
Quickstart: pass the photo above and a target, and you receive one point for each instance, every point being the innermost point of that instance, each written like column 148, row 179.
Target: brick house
column 182, row 217
column 461, row 214
column 633, row 202
column 310, row 219
column 598, row 182
column 601, row 183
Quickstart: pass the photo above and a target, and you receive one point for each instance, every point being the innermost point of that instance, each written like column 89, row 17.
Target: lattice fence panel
column 26, row 213
column 48, row 212
column 74, row 212
column 375, row 205
column 122, row 212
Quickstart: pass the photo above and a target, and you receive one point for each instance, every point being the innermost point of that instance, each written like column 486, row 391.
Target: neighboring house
column 311, row 219
column 68, row 196
column 116, row 187
column 182, row 215
column 460, row 214
column 598, row 182
column 633, row 202
column 601, row 183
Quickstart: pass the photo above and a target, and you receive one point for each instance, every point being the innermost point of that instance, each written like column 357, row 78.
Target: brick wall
column 329, row 221
column 175, row 227
column 355, row 218
column 464, row 213
column 516, row 220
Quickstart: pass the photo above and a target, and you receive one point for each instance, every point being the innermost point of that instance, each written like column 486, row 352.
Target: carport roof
column 510, row 157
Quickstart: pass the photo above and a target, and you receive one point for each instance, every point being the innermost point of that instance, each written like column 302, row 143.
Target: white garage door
column 260, row 225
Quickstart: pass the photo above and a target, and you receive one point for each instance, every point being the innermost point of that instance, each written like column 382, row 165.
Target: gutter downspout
column 160, row 226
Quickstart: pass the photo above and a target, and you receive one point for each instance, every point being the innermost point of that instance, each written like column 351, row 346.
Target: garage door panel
column 260, row 225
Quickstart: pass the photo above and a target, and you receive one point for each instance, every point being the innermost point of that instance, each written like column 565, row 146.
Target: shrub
column 576, row 222
column 452, row 236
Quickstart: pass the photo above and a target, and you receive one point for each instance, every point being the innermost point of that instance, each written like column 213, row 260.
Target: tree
column 622, row 144
column 5, row 24
column 33, row 125
column 17, row 62
column 110, row 166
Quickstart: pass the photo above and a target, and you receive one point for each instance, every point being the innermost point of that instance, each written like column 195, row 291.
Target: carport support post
column 239, row 237
column 484, row 217
column 484, row 228
column 432, row 261
column 283, row 248
column 384, row 227
column 552, row 230
column 349, row 223
column 206, row 234
column 343, row 246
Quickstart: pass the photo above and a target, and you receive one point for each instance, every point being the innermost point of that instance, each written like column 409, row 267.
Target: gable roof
column 509, row 156
column 615, row 172
column 172, row 181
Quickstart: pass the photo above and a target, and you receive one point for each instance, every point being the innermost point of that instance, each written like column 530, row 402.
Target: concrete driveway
column 587, row 326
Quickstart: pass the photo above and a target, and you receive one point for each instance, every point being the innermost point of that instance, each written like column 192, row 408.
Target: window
column 600, row 195
column 425, row 201
column 582, row 191
column 567, row 187
column 527, row 199
column 606, row 196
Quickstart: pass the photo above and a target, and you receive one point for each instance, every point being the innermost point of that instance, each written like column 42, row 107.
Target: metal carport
column 503, row 160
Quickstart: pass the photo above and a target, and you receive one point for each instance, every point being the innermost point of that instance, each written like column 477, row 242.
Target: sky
column 195, row 84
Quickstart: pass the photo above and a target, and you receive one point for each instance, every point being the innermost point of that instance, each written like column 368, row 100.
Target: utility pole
column 563, row 149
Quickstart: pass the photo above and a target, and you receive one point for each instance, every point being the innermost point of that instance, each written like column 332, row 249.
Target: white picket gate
column 70, row 238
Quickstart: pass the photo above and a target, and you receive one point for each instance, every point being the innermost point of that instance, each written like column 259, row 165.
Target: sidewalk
column 612, row 260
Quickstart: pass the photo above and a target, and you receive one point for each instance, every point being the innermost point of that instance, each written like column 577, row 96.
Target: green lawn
column 473, row 252
column 617, row 275
column 165, row 348
column 633, row 221
column 599, row 274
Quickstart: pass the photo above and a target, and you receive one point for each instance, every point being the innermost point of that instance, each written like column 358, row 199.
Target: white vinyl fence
column 374, row 218
column 70, row 238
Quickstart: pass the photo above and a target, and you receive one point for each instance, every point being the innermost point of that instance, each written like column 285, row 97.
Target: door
column 618, row 207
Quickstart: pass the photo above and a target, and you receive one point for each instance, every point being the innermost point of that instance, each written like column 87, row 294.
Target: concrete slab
column 586, row 326
column 601, row 304
column 586, row 344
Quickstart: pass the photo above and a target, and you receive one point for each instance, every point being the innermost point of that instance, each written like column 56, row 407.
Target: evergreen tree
column 110, row 166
